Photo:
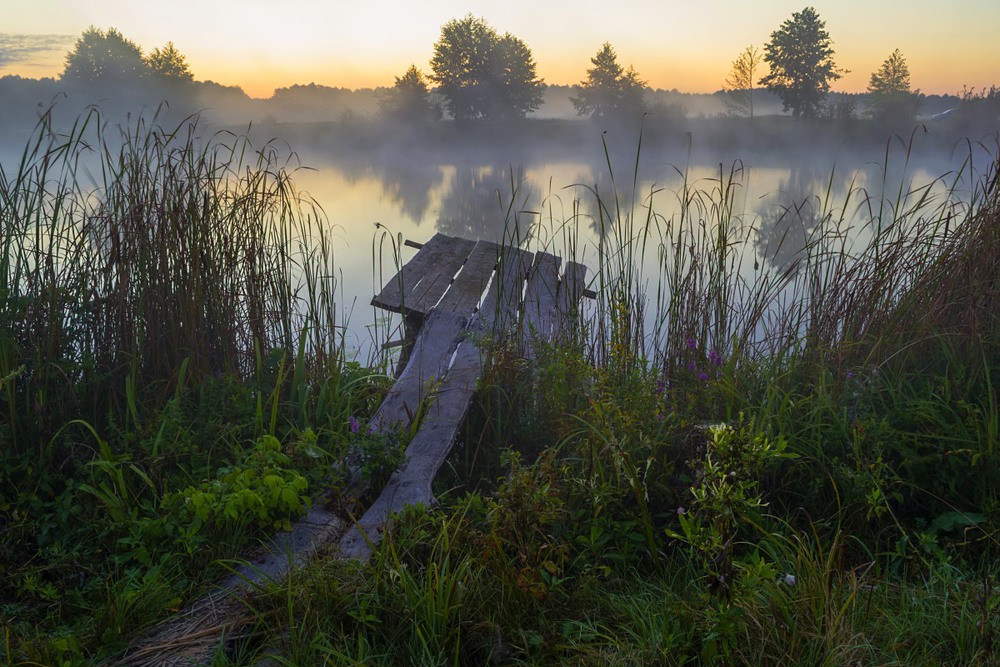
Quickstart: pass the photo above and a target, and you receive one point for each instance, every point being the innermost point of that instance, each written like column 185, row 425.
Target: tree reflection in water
column 795, row 216
column 481, row 200
column 408, row 185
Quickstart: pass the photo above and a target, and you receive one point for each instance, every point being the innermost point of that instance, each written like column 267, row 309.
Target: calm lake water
column 374, row 190
column 778, row 198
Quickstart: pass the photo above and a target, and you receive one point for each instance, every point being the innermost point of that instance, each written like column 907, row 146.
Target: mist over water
column 783, row 196
column 539, row 180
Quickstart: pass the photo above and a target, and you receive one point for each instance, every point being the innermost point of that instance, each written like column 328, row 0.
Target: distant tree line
column 477, row 74
column 481, row 75
column 801, row 63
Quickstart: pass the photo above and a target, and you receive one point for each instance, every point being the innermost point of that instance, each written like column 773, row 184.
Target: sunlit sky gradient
column 260, row 45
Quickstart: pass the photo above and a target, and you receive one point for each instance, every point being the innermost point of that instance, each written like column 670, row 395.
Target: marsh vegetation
column 772, row 438
column 738, row 462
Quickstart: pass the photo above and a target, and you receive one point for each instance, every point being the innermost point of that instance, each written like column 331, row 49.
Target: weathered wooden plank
column 411, row 484
column 468, row 287
column 572, row 287
column 430, row 446
column 432, row 349
column 421, row 282
column 436, row 341
column 540, row 300
column 500, row 307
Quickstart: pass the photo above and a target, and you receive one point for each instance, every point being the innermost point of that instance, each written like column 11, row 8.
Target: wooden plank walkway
column 451, row 293
column 444, row 364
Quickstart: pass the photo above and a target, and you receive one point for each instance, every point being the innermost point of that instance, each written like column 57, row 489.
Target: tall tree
column 104, row 57
column 482, row 74
column 739, row 85
column 409, row 100
column 169, row 63
column 609, row 90
column 800, row 54
column 889, row 96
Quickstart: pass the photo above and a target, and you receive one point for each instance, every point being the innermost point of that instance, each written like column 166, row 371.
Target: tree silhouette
column 516, row 89
column 483, row 75
column 802, row 65
column 890, row 98
column 409, row 100
column 104, row 57
column 740, row 83
column 609, row 91
column 169, row 63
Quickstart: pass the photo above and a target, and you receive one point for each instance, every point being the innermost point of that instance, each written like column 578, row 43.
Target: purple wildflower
column 703, row 376
column 850, row 375
column 660, row 386
column 692, row 366
column 354, row 424
column 715, row 357
column 692, row 344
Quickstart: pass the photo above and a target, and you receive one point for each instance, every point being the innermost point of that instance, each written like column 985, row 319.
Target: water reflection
column 461, row 194
column 789, row 218
column 482, row 199
column 408, row 185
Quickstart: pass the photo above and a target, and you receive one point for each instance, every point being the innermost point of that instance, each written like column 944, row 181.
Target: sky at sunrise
column 689, row 46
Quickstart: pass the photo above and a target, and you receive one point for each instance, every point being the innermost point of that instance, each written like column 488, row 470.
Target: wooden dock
column 451, row 294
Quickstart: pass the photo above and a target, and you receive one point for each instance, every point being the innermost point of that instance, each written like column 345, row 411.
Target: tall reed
column 141, row 257
column 694, row 278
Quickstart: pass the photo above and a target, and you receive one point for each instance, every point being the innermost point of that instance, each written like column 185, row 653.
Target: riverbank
column 744, row 467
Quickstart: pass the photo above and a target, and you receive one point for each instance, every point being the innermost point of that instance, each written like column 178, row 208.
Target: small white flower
column 788, row 579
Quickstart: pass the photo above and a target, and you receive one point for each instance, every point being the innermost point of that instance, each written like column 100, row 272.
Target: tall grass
column 139, row 258
column 167, row 307
column 870, row 353
column 145, row 261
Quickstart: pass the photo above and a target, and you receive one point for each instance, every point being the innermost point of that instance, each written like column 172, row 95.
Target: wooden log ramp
column 451, row 294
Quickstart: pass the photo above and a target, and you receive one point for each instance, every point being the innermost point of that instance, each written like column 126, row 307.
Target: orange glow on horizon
column 259, row 47
column 259, row 77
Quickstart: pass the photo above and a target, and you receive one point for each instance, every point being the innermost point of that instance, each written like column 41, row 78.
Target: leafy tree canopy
column 892, row 77
column 890, row 98
column 800, row 55
column 169, row 63
column 609, row 90
column 481, row 74
column 106, row 57
column 409, row 99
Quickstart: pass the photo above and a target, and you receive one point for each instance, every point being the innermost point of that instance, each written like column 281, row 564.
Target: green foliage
column 874, row 363
column 373, row 456
column 140, row 351
column 610, row 92
column 104, row 57
column 482, row 74
column 108, row 58
column 169, row 64
column 801, row 59
column 981, row 105
column 261, row 490
column 409, row 99
column 890, row 98
column 725, row 494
